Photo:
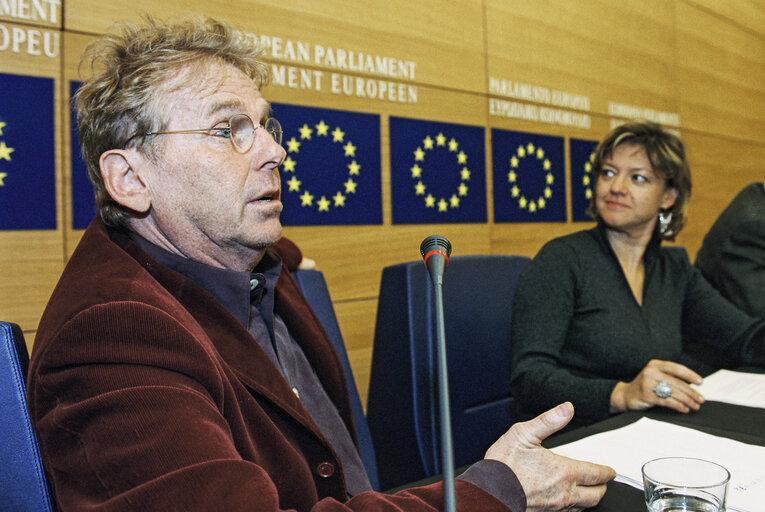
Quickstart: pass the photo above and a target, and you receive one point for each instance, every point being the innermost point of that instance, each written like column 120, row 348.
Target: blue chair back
column 403, row 408
column 314, row 287
column 23, row 486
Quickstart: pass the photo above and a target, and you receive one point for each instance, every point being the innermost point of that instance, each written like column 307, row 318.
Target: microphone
column 435, row 251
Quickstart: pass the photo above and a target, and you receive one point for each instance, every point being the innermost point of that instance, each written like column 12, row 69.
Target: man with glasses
column 177, row 365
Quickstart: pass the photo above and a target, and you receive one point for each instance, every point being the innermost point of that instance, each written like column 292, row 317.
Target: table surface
column 737, row 422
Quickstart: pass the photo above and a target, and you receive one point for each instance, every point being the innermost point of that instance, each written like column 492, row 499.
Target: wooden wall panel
column 442, row 38
column 30, row 261
column 721, row 72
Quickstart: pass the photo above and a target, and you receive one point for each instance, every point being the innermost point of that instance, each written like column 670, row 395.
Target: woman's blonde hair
column 666, row 153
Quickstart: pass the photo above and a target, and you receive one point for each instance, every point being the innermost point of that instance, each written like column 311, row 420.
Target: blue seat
column 23, row 486
column 402, row 408
column 314, row 287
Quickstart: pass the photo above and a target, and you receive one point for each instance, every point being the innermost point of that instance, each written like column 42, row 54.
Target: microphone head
column 437, row 244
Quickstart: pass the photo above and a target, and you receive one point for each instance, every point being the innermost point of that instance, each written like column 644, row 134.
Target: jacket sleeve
column 128, row 413
column 543, row 307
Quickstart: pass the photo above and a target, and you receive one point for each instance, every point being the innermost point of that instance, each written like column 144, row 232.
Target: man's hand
column 550, row 481
column 639, row 394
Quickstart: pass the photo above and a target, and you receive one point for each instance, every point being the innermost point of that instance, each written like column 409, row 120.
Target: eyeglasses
column 240, row 130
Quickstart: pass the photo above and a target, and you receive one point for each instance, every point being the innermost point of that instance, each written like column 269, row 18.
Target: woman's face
column 629, row 193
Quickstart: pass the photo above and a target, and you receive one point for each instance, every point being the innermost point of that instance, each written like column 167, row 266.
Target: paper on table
column 734, row 388
column 626, row 449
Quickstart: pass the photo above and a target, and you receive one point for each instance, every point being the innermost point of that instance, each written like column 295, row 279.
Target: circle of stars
column 524, row 203
column 430, row 144
column 307, row 199
column 5, row 154
column 588, row 177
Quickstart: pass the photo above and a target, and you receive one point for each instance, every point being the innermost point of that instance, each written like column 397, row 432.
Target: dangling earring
column 665, row 218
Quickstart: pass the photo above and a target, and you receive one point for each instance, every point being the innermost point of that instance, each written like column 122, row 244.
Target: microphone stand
column 439, row 248
column 447, row 456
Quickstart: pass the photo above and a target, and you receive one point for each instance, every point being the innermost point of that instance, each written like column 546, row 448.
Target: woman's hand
column 639, row 394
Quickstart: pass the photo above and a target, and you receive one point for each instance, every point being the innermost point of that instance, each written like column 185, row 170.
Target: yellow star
column 515, row 191
column 592, row 157
column 440, row 140
column 338, row 135
column 322, row 128
column 339, row 199
column 428, row 142
column 521, row 152
column 2, row 125
column 465, row 174
column 586, row 180
column 306, row 199
column 530, row 148
column 293, row 146
column 454, row 201
column 547, row 165
column 323, row 204
column 305, row 132
column 350, row 186
column 588, row 167
column 514, row 161
column 532, row 207
column 442, row 205
column 2, row 177
column 522, row 202
column 353, row 168
column 5, row 151
column 540, row 153
column 549, row 178
column 416, row 171
column 462, row 189
column 453, row 145
column 588, row 193
column 512, row 177
column 461, row 157
column 289, row 164
column 294, row 184
column 548, row 192
column 541, row 202
column 350, row 149
column 419, row 188
column 419, row 155
column 430, row 201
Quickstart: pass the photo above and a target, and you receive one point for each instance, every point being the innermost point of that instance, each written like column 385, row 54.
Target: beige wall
column 701, row 61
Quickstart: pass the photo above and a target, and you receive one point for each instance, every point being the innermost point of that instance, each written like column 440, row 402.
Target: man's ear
column 125, row 186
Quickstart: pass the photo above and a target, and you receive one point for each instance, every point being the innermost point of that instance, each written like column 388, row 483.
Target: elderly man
column 177, row 366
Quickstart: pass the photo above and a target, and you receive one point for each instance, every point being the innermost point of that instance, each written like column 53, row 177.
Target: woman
column 599, row 316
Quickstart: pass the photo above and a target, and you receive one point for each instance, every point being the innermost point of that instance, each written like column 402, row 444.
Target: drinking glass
column 675, row 484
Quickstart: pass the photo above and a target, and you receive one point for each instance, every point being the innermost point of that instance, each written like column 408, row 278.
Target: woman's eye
column 640, row 178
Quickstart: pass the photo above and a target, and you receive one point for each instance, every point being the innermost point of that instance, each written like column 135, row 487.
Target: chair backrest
column 402, row 409
column 314, row 287
column 22, row 479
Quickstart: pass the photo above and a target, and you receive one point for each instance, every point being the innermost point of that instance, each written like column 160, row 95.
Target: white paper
column 626, row 449
column 735, row 388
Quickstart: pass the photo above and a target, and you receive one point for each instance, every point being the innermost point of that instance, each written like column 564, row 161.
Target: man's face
column 209, row 202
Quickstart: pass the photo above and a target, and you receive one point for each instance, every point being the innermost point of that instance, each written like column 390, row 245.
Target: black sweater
column 578, row 330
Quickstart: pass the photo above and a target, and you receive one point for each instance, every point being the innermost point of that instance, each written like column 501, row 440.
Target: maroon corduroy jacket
column 146, row 394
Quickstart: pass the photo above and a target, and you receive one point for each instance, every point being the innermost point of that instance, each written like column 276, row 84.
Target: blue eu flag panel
column 529, row 177
column 83, row 199
column 438, row 172
column 27, row 153
column 331, row 174
column 582, row 177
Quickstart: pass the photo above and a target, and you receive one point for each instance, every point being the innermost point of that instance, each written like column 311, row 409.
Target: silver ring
column 662, row 390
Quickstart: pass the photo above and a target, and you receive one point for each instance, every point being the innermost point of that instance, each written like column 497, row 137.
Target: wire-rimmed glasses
column 240, row 130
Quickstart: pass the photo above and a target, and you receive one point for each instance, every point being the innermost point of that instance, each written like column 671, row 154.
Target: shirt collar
column 234, row 289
